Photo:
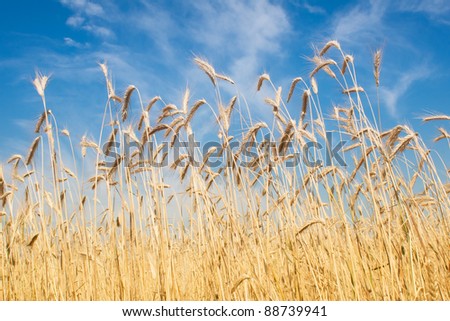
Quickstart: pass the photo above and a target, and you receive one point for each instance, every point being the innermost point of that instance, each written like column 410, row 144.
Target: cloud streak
column 72, row 43
column 434, row 8
column 87, row 16
column 391, row 95
column 314, row 9
column 437, row 11
column 363, row 21
column 374, row 25
column 245, row 31
column 84, row 7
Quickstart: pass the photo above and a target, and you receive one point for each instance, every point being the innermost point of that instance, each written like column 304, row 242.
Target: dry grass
column 78, row 228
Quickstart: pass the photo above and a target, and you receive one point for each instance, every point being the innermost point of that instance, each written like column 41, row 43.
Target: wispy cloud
column 238, row 37
column 438, row 9
column 235, row 35
column 72, row 43
column 84, row 7
column 241, row 38
column 157, row 25
column 372, row 24
column 75, row 21
column 391, row 95
column 314, row 9
column 432, row 7
column 362, row 21
column 88, row 16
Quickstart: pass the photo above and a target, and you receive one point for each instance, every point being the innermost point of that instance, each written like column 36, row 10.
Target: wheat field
column 104, row 223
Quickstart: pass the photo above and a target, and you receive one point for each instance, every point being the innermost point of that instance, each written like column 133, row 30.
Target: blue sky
column 151, row 44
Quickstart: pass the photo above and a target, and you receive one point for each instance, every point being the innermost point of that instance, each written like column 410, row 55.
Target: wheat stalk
column 377, row 66
column 291, row 89
column 207, row 69
column 328, row 45
column 32, row 150
column 261, row 79
column 444, row 135
column 436, row 117
column 126, row 101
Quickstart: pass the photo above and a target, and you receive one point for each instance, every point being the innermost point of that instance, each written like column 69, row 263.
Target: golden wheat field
column 104, row 222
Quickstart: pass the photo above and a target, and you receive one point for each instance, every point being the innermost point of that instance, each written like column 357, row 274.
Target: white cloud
column 435, row 7
column 75, row 21
column 235, row 35
column 313, row 8
column 251, row 27
column 93, row 9
column 87, row 16
column 363, row 22
column 84, row 7
column 437, row 10
column 241, row 35
column 368, row 24
column 391, row 95
column 98, row 30
column 238, row 37
column 158, row 25
column 366, row 21
column 72, row 43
